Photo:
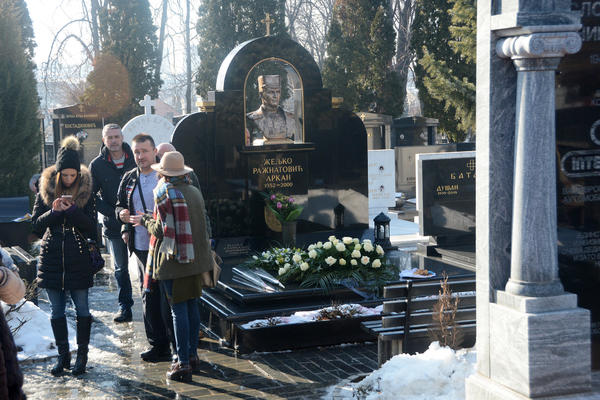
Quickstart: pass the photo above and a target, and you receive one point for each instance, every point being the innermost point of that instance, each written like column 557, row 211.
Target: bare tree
column 161, row 35
column 292, row 9
column 308, row 23
column 188, row 60
column 403, row 12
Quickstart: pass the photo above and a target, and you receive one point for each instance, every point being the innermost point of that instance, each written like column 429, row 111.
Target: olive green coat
column 167, row 267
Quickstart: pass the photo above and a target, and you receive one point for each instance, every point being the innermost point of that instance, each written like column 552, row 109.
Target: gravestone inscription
column 446, row 196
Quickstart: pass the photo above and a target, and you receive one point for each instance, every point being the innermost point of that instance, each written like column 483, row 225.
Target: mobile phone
column 66, row 196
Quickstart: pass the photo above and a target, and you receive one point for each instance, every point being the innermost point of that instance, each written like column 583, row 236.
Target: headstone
column 578, row 181
column 532, row 339
column 406, row 173
column 382, row 185
column 316, row 153
column 446, row 196
column 154, row 125
column 414, row 131
column 446, row 206
column 82, row 121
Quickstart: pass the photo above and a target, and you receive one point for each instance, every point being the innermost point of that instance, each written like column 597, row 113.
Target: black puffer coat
column 65, row 259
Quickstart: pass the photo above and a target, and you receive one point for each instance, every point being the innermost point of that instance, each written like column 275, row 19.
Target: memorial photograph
column 274, row 104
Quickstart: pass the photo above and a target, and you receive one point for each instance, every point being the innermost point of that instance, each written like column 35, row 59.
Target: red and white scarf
column 171, row 207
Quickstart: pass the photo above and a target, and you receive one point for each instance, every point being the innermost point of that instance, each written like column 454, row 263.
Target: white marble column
column 534, row 259
column 538, row 339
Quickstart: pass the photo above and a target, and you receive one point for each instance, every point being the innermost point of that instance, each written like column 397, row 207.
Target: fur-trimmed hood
column 48, row 186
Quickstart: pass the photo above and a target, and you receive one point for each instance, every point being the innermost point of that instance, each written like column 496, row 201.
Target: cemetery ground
column 115, row 370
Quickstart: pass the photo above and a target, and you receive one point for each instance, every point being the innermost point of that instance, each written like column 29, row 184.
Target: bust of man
column 271, row 122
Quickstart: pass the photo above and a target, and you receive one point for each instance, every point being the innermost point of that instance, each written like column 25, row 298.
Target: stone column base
column 539, row 347
column 479, row 387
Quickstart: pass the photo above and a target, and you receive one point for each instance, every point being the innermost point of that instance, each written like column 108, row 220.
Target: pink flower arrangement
column 283, row 207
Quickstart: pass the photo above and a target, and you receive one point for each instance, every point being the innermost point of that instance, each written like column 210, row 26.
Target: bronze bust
column 270, row 121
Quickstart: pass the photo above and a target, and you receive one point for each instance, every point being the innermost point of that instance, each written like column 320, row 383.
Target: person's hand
column 136, row 220
column 124, row 215
column 57, row 205
column 125, row 237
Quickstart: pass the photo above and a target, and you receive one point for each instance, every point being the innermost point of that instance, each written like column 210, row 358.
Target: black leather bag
column 95, row 256
column 96, row 259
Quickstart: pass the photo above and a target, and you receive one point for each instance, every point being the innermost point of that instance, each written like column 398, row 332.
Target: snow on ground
column 437, row 374
column 310, row 316
column 35, row 336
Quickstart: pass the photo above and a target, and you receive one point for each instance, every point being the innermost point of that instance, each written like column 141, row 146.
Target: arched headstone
column 154, row 125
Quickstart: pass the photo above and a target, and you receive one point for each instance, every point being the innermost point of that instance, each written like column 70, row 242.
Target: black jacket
column 65, row 258
column 106, row 177
column 125, row 201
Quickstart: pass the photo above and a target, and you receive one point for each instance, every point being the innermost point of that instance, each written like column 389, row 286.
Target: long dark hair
column 61, row 189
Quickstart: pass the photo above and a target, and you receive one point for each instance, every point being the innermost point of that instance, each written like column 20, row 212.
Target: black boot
column 61, row 337
column 84, row 326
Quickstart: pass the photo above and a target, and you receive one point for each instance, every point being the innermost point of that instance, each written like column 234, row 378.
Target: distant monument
column 154, row 125
column 270, row 121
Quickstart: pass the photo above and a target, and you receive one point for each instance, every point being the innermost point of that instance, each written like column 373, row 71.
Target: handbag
column 210, row 278
column 95, row 256
column 96, row 259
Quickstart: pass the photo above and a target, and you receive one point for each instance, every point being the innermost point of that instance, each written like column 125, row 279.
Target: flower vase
column 288, row 233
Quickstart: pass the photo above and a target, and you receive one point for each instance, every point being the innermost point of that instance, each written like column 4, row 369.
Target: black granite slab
column 326, row 168
column 578, row 172
column 317, row 333
column 447, row 199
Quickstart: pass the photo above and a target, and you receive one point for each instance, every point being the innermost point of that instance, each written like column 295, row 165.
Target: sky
column 48, row 16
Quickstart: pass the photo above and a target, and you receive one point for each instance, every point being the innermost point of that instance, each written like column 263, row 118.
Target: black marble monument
column 578, row 170
column 325, row 166
column 446, row 204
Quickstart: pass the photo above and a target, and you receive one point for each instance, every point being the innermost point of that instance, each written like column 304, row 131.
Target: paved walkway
column 116, row 371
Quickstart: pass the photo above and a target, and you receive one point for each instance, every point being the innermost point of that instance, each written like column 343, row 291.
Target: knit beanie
column 68, row 155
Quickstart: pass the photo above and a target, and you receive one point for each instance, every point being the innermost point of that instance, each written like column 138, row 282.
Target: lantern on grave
column 339, row 215
column 382, row 231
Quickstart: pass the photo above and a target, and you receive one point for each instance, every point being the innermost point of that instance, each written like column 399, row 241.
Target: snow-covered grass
column 437, row 374
column 35, row 336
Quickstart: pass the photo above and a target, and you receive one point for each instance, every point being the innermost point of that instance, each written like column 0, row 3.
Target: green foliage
column 326, row 265
column 223, row 24
column 360, row 48
column 128, row 35
column 19, row 127
column 444, row 36
column 283, row 207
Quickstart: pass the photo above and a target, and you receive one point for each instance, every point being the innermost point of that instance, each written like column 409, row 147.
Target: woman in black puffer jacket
column 65, row 213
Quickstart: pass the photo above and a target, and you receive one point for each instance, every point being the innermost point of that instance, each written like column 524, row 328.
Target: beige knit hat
column 172, row 164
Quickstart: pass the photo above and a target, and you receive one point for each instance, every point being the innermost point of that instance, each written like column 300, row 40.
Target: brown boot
column 180, row 372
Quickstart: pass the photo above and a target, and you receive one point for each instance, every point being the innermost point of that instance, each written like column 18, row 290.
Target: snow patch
column 300, row 317
column 437, row 374
column 35, row 337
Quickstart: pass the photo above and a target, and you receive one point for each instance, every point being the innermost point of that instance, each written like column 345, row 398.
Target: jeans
column 155, row 308
column 186, row 322
column 58, row 302
column 118, row 253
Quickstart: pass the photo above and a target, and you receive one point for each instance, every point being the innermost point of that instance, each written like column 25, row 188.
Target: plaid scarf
column 171, row 208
